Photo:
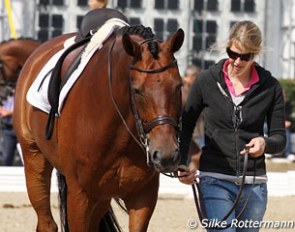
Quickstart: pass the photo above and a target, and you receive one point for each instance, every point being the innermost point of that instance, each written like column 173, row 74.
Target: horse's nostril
column 156, row 155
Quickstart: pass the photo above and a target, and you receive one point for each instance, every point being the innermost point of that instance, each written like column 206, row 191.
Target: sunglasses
column 233, row 55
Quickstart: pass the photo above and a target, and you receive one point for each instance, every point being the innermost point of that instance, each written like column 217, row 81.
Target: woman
column 97, row 4
column 237, row 96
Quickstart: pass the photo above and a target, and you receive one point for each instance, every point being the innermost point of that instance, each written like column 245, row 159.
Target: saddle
column 71, row 58
column 69, row 61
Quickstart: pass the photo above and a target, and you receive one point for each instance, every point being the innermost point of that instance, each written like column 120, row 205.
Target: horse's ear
column 175, row 42
column 132, row 48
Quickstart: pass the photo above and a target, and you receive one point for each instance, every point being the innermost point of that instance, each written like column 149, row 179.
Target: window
column 172, row 25
column 129, row 3
column 44, row 20
column 249, row 6
column 58, row 2
column 43, row 35
column 235, row 5
column 166, row 4
column 135, row 3
column 232, row 23
column 134, row 21
column 212, row 5
column 173, row 4
column 198, row 5
column 211, row 27
column 56, row 32
column 82, row 2
column 158, row 25
column 198, row 26
column 57, row 21
column 197, row 42
column 122, row 4
column 44, row 2
column 160, row 4
column 210, row 39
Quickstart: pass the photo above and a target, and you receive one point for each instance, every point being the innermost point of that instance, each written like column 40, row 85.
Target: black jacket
column 226, row 130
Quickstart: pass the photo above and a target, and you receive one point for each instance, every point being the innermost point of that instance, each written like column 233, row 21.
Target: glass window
column 58, row 2
column 212, row 5
column 249, row 6
column 198, row 5
column 82, row 2
column 198, row 26
column 135, row 3
column 122, row 3
column 172, row 25
column 134, row 21
column 211, row 26
column 158, row 25
column 57, row 21
column 160, row 4
column 197, row 42
column 43, row 2
column 235, row 5
column 173, row 4
column 44, row 20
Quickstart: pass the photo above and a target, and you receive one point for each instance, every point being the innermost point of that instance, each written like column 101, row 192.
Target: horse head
column 155, row 88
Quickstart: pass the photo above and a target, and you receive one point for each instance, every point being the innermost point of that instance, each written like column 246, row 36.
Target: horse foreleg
column 77, row 207
column 141, row 206
column 38, row 178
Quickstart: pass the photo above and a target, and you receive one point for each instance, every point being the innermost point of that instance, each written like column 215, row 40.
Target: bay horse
column 117, row 131
column 13, row 54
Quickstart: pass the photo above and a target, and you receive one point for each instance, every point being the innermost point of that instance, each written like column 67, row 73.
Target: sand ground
column 171, row 215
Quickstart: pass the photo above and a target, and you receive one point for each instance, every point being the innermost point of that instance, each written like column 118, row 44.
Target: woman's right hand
column 186, row 175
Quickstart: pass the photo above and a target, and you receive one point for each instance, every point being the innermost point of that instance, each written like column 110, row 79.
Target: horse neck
column 22, row 49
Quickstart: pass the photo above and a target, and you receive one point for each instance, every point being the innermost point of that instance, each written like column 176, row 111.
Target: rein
column 199, row 203
column 142, row 128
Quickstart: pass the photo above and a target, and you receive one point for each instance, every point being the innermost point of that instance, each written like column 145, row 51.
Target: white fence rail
column 12, row 179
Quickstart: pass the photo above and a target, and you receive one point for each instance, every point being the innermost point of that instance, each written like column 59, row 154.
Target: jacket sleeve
column 276, row 140
column 190, row 114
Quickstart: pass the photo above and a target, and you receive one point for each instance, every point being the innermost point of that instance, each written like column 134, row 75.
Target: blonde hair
column 246, row 35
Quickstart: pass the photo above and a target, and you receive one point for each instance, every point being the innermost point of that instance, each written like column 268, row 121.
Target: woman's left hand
column 255, row 148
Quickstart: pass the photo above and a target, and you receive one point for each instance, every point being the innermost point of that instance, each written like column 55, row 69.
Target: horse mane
column 146, row 33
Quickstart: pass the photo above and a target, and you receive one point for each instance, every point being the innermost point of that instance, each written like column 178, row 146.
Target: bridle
column 143, row 128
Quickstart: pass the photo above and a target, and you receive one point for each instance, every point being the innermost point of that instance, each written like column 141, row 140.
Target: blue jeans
column 9, row 146
column 288, row 149
column 219, row 196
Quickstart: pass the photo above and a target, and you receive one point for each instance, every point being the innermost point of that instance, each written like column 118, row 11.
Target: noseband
column 144, row 128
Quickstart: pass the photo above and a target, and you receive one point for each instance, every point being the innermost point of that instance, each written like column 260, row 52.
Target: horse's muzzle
column 165, row 162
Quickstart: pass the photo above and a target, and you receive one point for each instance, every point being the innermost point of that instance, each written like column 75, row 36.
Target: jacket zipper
column 236, row 109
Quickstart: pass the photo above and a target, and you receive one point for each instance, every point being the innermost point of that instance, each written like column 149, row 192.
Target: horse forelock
column 146, row 33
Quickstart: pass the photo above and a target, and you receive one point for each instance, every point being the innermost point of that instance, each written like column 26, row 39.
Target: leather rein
column 199, row 202
column 143, row 128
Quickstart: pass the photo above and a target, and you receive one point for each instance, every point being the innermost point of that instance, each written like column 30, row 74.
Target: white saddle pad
column 37, row 94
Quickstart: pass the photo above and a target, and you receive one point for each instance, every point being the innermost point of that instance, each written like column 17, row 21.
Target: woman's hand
column 255, row 147
column 186, row 175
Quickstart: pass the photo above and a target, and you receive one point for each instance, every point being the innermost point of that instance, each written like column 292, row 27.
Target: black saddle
column 93, row 20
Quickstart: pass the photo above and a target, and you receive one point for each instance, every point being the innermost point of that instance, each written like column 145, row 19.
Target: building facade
column 205, row 22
